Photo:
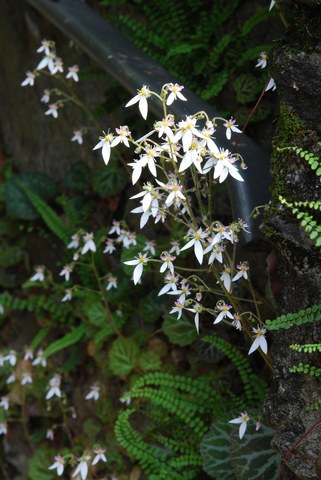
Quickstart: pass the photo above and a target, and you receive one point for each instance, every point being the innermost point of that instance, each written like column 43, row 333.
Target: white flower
column 11, row 357
column 109, row 247
column 1, row 310
column 225, row 166
column 46, row 96
column 262, row 60
column 141, row 259
column 58, row 464
column 170, row 284
column 196, row 241
column 66, row 271
column 272, row 4
column 54, row 389
column 28, row 354
column 30, row 80
column 237, row 322
column 224, row 313
column 187, row 128
column 11, row 379
column 3, row 429
column 271, row 85
column 141, row 97
column 242, row 420
column 100, row 455
column 82, row 467
column 175, row 93
column 39, row 275
column 230, row 127
column 197, row 308
column 112, row 282
column 123, row 133
column 78, row 134
column 176, row 192
column 41, row 359
column 260, row 340
column 4, row 403
column 115, row 228
column 150, row 247
column 26, row 378
column 163, row 128
column 50, row 434
column 183, row 292
column 68, row 295
column 45, row 46
column 94, row 393
column 161, row 216
column 52, row 110
column 105, row 145
column 167, row 259
column 47, row 61
column 58, row 66
column 72, row 73
column 226, row 278
column 243, row 268
column 88, row 238
column 175, row 247
column 178, row 308
column 74, row 241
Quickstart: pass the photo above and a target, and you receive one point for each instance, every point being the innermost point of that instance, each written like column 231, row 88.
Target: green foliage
column 194, row 41
column 227, row 458
column 109, row 181
column 306, row 369
column 123, row 356
column 17, row 200
column 69, row 339
column 312, row 314
column 307, row 348
column 255, row 389
column 175, row 403
column 49, row 216
column 181, row 332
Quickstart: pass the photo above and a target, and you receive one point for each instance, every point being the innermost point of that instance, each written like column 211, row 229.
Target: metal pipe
column 133, row 68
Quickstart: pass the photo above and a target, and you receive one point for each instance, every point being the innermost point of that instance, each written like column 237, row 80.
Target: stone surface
column 296, row 65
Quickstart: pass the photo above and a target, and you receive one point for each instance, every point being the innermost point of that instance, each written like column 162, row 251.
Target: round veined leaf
column 17, row 201
column 150, row 361
column 252, row 457
column 215, row 451
column 123, row 355
column 109, row 180
column 181, row 332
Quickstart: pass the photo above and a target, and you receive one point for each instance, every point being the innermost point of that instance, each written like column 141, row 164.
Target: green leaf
column 96, row 314
column 215, row 451
column 38, row 464
column 252, row 457
column 123, row 356
column 78, row 177
column 109, row 180
column 150, row 361
column 152, row 306
column 246, row 87
column 17, row 201
column 181, row 332
column 74, row 336
column 39, row 338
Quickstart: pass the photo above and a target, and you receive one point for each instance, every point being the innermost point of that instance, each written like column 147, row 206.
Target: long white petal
column 242, row 430
column 143, row 107
column 255, row 345
column 198, row 249
column 133, row 101
column 189, row 244
column 170, row 99
column 138, row 272
column 106, row 152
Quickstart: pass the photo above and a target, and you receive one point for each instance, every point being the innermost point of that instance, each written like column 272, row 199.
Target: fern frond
column 312, row 159
column 307, row 369
column 307, row 348
column 72, row 215
column 312, row 314
column 254, row 389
